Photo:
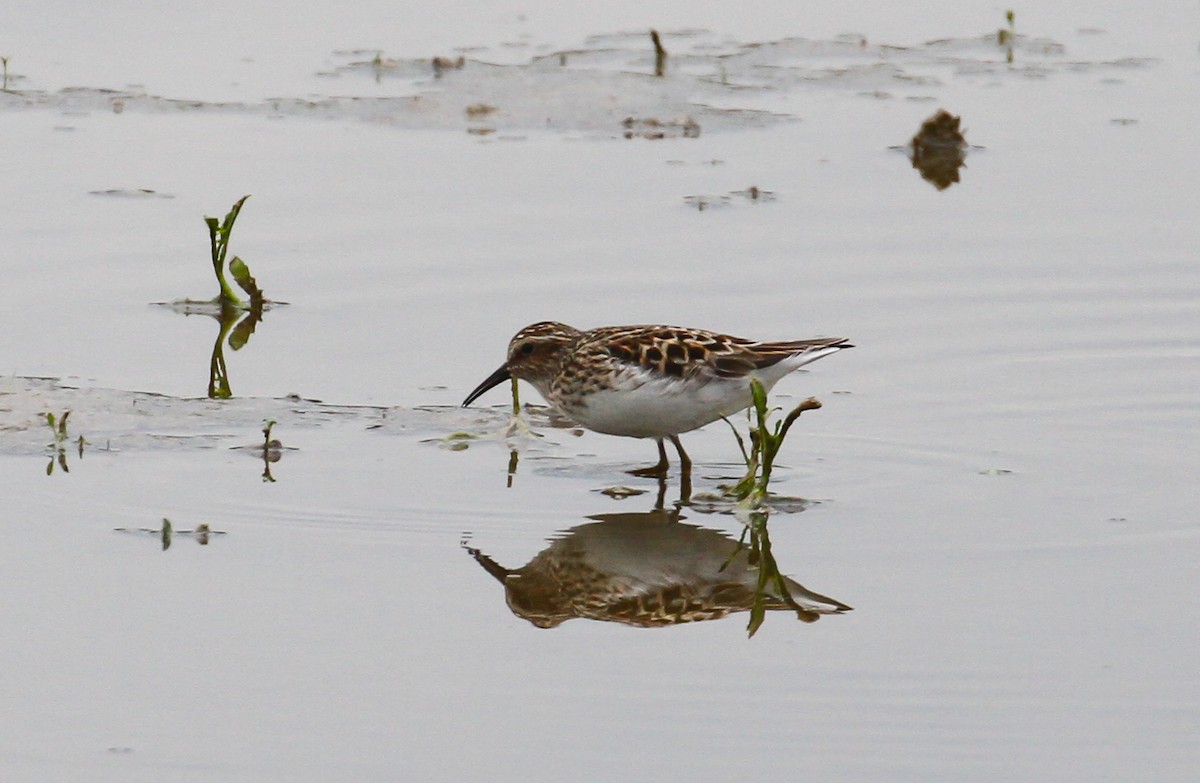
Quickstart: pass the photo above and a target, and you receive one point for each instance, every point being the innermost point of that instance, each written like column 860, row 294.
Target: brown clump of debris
column 939, row 149
column 443, row 64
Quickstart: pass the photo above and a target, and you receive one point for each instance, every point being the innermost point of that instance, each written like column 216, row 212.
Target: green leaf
column 241, row 275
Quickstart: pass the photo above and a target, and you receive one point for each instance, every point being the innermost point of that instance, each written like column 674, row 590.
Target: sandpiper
column 648, row 381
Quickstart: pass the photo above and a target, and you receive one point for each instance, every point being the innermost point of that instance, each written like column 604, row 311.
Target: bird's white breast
column 649, row 405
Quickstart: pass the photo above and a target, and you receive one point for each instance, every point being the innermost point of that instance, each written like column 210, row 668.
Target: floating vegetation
column 754, row 194
column 702, row 203
column 621, row 492
column 130, row 193
column 765, row 441
column 655, row 129
column 121, row 421
column 751, row 195
column 167, row 534
column 479, row 110
column 443, row 64
column 456, row 441
column 714, row 79
column 938, row 150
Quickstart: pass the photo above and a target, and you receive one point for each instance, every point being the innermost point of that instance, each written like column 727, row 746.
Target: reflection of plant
column 765, row 442
column 771, row 585
column 218, row 376
column 218, row 238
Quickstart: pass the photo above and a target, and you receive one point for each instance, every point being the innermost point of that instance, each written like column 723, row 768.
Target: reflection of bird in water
column 647, row 570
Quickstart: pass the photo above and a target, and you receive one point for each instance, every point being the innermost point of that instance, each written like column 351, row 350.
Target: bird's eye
column 526, row 348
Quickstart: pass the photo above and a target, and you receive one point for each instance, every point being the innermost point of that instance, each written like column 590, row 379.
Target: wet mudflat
column 1000, row 482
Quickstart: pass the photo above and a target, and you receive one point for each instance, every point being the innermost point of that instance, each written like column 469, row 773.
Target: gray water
column 1001, row 481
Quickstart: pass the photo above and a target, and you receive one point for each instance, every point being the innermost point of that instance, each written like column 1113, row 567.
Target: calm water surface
column 1002, row 477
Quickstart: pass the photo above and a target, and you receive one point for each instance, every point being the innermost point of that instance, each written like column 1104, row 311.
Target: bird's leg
column 685, row 464
column 685, row 472
column 655, row 470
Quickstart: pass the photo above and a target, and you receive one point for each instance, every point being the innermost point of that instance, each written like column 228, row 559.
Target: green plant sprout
column 218, row 237
column 58, row 449
column 1006, row 36
column 765, row 442
column 58, row 427
column 272, row 450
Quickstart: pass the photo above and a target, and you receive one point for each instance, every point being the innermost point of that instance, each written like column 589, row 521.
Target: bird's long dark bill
column 495, row 379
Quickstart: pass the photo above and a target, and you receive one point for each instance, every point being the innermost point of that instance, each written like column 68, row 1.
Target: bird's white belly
column 661, row 407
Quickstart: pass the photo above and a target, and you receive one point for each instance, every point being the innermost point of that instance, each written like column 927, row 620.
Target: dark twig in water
column 660, row 54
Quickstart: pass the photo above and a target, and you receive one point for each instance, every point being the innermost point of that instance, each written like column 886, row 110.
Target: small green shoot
column 218, row 238
column 58, row 427
column 58, row 449
column 517, row 424
column 765, row 442
column 1007, row 36
column 272, row 450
